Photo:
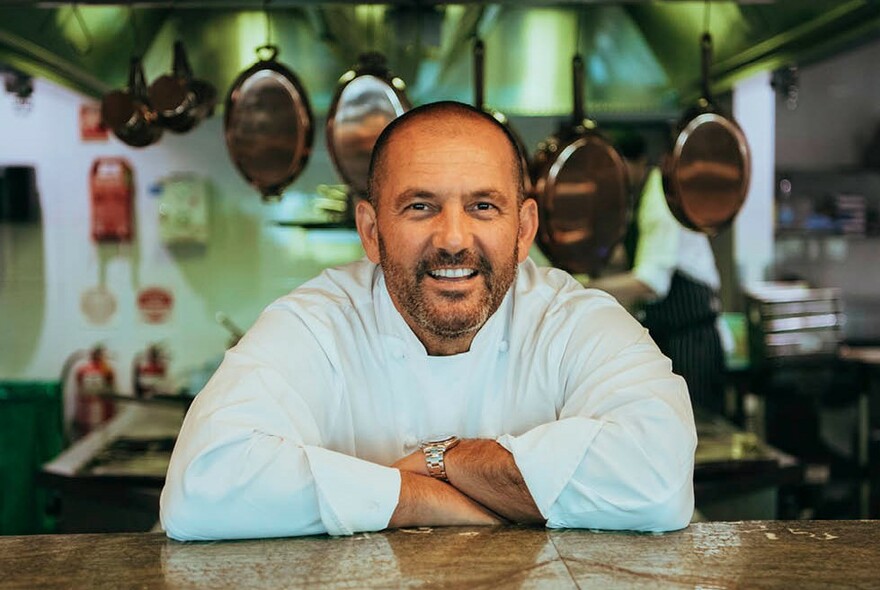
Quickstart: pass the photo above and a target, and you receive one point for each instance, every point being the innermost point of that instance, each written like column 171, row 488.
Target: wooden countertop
column 758, row 554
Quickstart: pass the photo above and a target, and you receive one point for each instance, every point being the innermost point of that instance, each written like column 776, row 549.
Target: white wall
column 754, row 108
column 44, row 270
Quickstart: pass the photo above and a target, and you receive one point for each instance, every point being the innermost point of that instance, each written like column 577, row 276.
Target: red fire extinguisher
column 150, row 369
column 95, row 381
column 111, row 186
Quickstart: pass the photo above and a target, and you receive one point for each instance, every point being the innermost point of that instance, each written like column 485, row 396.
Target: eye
column 485, row 209
column 418, row 208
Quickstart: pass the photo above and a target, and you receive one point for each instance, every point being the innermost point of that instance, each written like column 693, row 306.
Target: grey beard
column 408, row 290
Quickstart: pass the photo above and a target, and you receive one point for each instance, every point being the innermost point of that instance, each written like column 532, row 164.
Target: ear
column 368, row 229
column 528, row 227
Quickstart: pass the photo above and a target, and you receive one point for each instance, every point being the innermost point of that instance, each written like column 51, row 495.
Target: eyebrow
column 417, row 193
column 412, row 193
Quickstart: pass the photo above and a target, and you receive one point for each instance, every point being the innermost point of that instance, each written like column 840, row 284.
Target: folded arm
column 485, row 472
column 426, row 501
column 621, row 453
column 248, row 467
column 253, row 458
column 619, row 456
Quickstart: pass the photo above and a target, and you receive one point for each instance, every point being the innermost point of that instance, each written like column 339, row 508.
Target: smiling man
column 444, row 380
column 448, row 224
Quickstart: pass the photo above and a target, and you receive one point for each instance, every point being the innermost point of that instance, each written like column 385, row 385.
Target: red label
column 90, row 126
column 112, row 192
column 155, row 304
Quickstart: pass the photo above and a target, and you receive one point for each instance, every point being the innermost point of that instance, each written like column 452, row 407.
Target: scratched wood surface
column 759, row 554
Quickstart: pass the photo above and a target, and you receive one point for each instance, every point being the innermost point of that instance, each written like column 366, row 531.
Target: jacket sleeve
column 250, row 460
column 623, row 448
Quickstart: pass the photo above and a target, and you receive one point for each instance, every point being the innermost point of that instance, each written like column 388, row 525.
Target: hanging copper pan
column 706, row 177
column 582, row 189
column 268, row 123
column 367, row 99
column 479, row 93
column 129, row 114
column 180, row 100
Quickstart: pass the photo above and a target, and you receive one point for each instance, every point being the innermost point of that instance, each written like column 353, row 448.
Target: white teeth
column 452, row 273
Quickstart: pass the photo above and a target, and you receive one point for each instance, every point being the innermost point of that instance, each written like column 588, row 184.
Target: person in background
column 444, row 380
column 671, row 283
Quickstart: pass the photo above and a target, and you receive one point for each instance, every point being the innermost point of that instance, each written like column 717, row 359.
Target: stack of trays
column 791, row 323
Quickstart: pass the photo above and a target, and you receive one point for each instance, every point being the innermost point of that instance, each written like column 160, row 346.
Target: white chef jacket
column 295, row 432
column 665, row 245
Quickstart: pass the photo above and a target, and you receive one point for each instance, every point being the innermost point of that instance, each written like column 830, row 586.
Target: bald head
column 440, row 117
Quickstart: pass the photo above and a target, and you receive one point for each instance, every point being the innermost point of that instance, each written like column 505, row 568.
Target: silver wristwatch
column 435, row 451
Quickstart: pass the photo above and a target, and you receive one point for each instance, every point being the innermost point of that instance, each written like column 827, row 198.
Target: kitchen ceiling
column 642, row 57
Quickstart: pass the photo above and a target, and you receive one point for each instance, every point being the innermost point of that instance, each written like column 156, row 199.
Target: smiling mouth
column 453, row 274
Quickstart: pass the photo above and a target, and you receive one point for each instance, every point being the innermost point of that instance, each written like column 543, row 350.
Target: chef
column 445, row 379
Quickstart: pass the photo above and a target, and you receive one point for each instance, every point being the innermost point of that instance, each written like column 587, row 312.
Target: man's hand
column 413, row 463
column 425, row 501
column 486, row 473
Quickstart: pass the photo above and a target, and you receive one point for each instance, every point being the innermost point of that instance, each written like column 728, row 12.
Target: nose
column 452, row 231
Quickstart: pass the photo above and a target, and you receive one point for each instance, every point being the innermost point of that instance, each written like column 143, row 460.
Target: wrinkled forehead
column 422, row 134
column 417, row 133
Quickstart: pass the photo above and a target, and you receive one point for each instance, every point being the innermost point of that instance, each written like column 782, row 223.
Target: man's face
column 448, row 229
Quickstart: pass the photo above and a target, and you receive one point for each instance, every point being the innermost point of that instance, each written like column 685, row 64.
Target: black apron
column 683, row 326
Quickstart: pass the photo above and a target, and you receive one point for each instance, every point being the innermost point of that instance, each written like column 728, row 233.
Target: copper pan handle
column 181, row 66
column 479, row 61
column 706, row 62
column 577, row 67
column 137, row 85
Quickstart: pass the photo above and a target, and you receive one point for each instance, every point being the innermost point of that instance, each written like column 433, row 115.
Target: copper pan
column 582, row 188
column 368, row 98
column 269, row 125
column 180, row 100
column 706, row 175
column 129, row 114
